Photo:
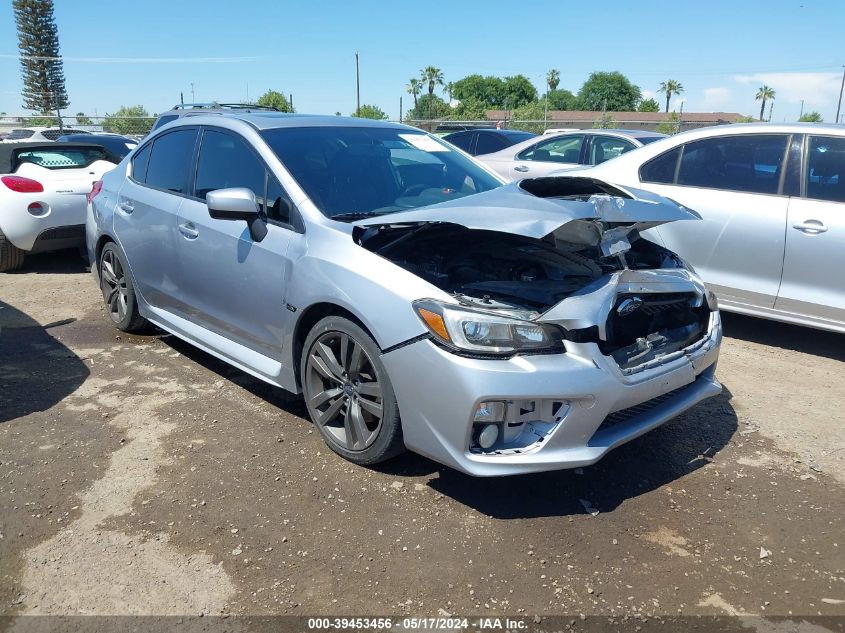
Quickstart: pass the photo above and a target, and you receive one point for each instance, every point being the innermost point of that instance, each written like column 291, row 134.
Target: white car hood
column 538, row 207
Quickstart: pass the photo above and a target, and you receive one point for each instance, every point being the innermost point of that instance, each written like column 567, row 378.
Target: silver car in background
column 541, row 155
column 413, row 299
column 772, row 201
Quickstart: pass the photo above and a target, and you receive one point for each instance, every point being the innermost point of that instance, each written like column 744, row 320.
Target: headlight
column 472, row 331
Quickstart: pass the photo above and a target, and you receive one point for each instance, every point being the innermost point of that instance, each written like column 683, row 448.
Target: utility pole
column 291, row 101
column 357, row 86
column 182, row 97
column 802, row 110
column 771, row 107
column 400, row 109
column 839, row 105
column 193, row 99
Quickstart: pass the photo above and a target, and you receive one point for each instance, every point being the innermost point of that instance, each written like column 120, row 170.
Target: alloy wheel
column 115, row 292
column 342, row 391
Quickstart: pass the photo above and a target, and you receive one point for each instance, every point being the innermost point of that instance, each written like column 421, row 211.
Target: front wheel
column 118, row 291
column 348, row 392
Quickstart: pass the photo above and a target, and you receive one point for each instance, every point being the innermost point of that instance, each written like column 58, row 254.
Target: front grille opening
column 642, row 328
column 625, row 415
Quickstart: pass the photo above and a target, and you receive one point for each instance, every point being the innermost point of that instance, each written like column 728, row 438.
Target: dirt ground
column 141, row 476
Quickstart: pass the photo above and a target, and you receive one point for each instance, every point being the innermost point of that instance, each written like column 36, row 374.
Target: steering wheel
column 414, row 190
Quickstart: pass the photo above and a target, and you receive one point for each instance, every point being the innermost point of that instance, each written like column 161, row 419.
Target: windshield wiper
column 356, row 215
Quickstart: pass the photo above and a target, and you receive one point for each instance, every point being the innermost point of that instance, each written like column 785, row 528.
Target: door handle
column 521, row 168
column 189, row 230
column 126, row 206
column 812, row 227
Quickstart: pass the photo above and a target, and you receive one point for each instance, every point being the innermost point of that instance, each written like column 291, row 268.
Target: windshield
column 356, row 172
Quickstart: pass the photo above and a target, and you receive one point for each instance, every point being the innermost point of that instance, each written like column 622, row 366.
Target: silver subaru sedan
column 414, row 299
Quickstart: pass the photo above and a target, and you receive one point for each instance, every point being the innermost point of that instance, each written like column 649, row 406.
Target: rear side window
column 165, row 119
column 139, row 163
column 826, row 168
column 750, row 163
column 17, row 135
column 564, row 149
column 606, row 147
column 462, row 140
column 70, row 158
column 661, row 169
column 488, row 143
column 170, row 161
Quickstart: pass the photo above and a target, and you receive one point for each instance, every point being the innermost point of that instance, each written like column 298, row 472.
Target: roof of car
column 272, row 120
column 767, row 128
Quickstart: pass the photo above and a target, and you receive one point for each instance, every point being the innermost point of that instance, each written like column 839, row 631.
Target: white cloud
column 715, row 99
column 818, row 90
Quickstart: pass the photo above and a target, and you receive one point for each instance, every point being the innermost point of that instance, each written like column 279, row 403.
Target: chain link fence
column 127, row 126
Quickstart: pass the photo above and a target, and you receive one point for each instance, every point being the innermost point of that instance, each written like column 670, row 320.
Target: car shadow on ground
column 36, row 370
column 797, row 338
column 662, row 456
column 68, row 261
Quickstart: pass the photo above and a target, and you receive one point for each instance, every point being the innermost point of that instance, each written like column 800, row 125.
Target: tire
column 346, row 386
column 11, row 257
column 118, row 291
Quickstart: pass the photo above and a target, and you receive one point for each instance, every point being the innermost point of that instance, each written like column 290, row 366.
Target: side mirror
column 237, row 203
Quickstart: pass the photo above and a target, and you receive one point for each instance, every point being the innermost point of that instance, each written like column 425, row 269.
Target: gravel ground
column 141, row 476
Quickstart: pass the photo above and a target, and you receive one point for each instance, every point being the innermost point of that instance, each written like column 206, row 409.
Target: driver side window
column 563, row 149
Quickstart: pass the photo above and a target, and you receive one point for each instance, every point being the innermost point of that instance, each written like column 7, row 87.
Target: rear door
column 602, row 148
column 146, row 213
column 231, row 284
column 548, row 155
column 813, row 278
column 734, row 183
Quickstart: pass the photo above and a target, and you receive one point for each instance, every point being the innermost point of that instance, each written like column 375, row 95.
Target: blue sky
column 125, row 53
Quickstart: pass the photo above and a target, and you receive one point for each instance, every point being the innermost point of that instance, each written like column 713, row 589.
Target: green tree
column 553, row 79
column 448, row 89
column 370, row 112
column 41, row 63
column 669, row 125
column 529, row 117
column 432, row 77
column 274, row 99
column 81, row 119
column 562, row 100
column 764, row 94
column 429, row 107
column 489, row 90
column 648, row 105
column 670, row 87
column 604, row 122
column 609, row 91
column 128, row 120
column 519, row 91
column 745, row 119
column 413, row 88
column 811, row 117
column 470, row 110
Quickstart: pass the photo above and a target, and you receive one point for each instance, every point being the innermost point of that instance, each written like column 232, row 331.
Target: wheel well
column 309, row 319
column 104, row 239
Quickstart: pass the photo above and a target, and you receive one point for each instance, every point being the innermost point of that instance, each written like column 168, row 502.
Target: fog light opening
column 493, row 411
column 488, row 436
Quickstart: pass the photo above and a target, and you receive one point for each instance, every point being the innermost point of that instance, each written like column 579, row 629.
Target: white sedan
column 43, row 190
column 541, row 155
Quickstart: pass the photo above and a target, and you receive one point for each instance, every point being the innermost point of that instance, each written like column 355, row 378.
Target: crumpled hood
column 537, row 207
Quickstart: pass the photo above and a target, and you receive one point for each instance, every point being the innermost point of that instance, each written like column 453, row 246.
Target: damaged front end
column 564, row 256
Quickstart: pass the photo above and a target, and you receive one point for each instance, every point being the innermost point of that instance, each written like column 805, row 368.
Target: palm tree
column 553, row 79
column 764, row 94
column 670, row 87
column 448, row 90
column 413, row 88
column 433, row 77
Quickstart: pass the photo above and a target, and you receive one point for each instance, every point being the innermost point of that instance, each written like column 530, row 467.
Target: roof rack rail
column 223, row 106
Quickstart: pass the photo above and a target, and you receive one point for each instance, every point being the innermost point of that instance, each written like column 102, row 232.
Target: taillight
column 95, row 189
column 22, row 185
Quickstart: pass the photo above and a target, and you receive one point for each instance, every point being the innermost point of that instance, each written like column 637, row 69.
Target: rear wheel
column 348, row 393
column 118, row 291
column 11, row 257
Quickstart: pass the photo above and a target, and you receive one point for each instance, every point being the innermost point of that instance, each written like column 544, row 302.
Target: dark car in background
column 476, row 142
column 118, row 145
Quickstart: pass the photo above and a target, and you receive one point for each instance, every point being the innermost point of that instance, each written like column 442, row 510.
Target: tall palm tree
column 448, row 90
column 553, row 79
column 764, row 94
column 433, row 77
column 413, row 88
column 670, row 87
